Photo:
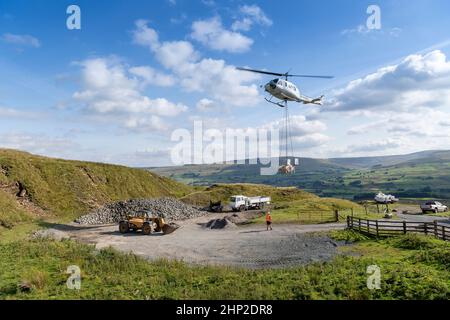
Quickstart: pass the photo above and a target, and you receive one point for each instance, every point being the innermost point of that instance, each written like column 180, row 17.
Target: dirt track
column 248, row 246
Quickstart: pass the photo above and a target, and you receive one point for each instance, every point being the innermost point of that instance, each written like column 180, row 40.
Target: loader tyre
column 146, row 228
column 123, row 227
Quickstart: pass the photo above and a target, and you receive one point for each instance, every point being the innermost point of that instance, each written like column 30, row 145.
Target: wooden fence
column 315, row 216
column 386, row 228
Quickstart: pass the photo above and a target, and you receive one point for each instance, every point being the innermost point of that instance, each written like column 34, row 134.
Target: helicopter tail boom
column 317, row 101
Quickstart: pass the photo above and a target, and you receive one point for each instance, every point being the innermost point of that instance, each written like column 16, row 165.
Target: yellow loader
column 147, row 224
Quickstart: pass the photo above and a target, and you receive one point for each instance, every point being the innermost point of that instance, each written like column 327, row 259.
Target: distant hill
column 418, row 175
column 66, row 189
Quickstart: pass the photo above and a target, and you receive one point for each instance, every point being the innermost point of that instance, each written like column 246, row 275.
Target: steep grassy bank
column 66, row 189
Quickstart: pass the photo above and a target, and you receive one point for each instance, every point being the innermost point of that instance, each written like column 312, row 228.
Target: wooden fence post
column 359, row 224
column 425, row 228
column 348, row 222
column 443, row 233
column 368, row 227
column 435, row 229
column 404, row 227
column 376, row 224
column 336, row 215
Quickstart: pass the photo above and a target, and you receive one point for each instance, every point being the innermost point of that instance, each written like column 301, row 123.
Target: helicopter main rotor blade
column 284, row 74
column 309, row 76
column 261, row 71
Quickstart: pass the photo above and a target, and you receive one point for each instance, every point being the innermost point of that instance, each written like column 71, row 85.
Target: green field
column 412, row 267
column 421, row 175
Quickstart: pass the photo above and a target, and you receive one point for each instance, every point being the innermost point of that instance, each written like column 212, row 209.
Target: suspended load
column 285, row 91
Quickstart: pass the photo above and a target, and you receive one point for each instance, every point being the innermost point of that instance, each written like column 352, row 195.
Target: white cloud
column 304, row 133
column 151, row 76
column 360, row 29
column 144, row 157
column 309, row 141
column 363, row 30
column 445, row 122
column 375, row 146
column 143, row 35
column 213, row 35
column 21, row 40
column 146, row 124
column 176, row 54
column 14, row 113
column 209, row 3
column 36, row 143
column 205, row 105
column 422, row 123
column 251, row 14
column 417, row 81
column 220, row 81
column 108, row 88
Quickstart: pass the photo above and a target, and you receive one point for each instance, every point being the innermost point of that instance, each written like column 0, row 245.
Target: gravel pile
column 171, row 209
column 224, row 223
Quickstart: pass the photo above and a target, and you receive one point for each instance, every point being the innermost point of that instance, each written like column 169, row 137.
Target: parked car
column 433, row 206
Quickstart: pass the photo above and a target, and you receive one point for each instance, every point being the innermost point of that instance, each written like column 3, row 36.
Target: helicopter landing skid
column 275, row 103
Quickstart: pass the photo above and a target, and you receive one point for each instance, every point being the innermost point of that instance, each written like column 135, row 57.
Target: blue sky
column 115, row 90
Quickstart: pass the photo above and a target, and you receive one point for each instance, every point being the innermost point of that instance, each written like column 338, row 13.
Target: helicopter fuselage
column 287, row 91
column 283, row 90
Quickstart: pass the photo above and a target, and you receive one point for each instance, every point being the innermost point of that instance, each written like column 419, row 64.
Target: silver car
column 433, row 206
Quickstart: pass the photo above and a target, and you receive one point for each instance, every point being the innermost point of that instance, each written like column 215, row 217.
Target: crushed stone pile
column 170, row 208
column 223, row 223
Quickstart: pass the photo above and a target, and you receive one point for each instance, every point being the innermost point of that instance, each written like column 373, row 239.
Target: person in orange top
column 268, row 220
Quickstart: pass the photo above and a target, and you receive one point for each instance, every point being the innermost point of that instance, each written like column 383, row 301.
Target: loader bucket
column 169, row 228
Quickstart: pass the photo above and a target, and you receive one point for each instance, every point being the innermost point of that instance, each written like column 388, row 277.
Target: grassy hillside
column 290, row 204
column 222, row 192
column 419, row 175
column 67, row 189
column 413, row 267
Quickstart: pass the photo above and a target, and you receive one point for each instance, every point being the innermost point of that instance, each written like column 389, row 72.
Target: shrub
column 437, row 256
column 413, row 241
column 348, row 236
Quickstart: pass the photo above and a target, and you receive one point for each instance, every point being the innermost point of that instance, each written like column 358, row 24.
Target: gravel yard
column 249, row 246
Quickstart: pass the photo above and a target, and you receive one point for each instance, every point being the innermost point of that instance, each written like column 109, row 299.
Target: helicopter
column 285, row 90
